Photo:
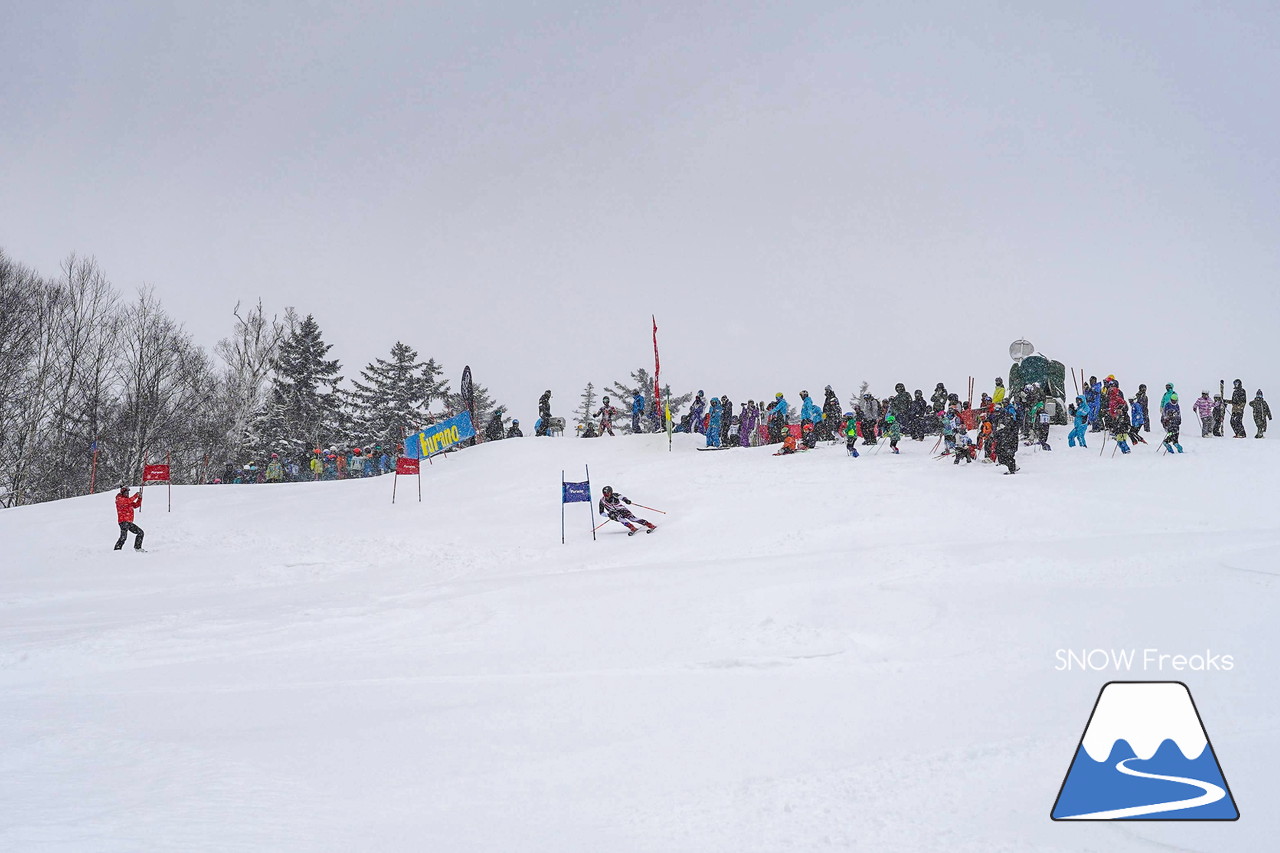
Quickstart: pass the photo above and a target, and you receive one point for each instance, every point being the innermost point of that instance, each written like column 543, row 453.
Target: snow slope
column 812, row 653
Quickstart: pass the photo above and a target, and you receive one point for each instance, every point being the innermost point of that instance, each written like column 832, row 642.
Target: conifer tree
column 435, row 387
column 485, row 406
column 584, row 415
column 623, row 393
column 392, row 399
column 304, row 407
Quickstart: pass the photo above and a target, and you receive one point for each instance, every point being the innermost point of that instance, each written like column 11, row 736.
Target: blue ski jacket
column 1082, row 412
column 810, row 410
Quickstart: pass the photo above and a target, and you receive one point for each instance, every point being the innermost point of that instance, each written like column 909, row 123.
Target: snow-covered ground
column 811, row 653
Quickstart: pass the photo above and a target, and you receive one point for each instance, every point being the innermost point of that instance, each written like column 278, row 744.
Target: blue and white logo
column 1145, row 756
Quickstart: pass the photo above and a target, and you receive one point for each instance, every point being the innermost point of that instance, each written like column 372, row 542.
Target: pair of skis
column 632, row 532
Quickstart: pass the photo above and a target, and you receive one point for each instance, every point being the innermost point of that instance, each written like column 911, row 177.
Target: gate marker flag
column 575, row 493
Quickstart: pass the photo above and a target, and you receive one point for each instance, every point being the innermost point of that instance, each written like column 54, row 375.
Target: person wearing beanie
column 1261, row 414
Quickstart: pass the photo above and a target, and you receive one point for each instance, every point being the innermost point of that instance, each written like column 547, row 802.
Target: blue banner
column 574, row 492
column 433, row 439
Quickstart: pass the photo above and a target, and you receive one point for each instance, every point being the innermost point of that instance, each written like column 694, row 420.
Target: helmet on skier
column 608, row 490
column 275, row 455
column 515, row 421
column 124, row 490
column 889, row 419
column 1173, row 398
column 848, row 414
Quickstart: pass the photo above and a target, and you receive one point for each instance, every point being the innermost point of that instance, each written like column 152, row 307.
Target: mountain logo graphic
column 1145, row 755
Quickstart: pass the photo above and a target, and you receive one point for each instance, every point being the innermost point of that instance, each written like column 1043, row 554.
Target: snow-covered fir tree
column 483, row 404
column 304, row 407
column 622, row 393
column 435, row 386
column 587, row 407
column 392, row 399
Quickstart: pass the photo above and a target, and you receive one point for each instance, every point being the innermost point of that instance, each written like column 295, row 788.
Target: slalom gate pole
column 587, row 470
column 651, row 509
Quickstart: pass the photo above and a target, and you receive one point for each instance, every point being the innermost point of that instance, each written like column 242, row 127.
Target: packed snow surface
column 811, row 653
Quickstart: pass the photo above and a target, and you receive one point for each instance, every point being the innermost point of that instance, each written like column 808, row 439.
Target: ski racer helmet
column 608, row 490
column 889, row 419
column 779, row 394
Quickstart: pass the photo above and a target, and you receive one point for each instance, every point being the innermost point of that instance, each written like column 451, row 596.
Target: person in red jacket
column 125, row 506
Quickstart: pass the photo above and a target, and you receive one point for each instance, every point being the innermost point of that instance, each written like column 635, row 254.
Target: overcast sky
column 803, row 193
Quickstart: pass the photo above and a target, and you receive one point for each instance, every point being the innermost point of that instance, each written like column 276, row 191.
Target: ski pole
column 651, row 509
column 601, row 524
column 1104, row 443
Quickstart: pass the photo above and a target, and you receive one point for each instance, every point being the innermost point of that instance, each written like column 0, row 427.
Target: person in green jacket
column 275, row 471
column 893, row 431
column 851, row 434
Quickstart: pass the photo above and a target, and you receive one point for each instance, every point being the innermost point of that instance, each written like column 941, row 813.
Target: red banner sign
column 155, row 473
column 405, row 465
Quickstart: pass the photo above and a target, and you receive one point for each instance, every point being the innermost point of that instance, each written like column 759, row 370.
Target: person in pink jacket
column 1203, row 408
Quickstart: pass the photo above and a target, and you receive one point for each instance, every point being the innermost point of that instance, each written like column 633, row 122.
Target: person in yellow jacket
column 998, row 397
column 317, row 466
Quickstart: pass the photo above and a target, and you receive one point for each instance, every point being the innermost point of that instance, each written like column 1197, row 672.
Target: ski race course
column 810, row 653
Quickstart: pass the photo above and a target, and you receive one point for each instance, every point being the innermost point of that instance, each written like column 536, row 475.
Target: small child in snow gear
column 611, row 504
column 606, row 414
column 1261, row 414
column 851, row 434
column 1120, row 428
column 893, row 431
column 964, row 448
column 1203, row 407
column 1171, row 420
column 810, row 439
column 951, row 425
column 790, row 444
column 125, row 506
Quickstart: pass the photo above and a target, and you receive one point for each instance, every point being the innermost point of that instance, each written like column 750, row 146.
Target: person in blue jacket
column 637, row 409
column 1138, row 418
column 1093, row 398
column 1082, row 416
column 713, row 425
column 809, row 410
column 777, row 417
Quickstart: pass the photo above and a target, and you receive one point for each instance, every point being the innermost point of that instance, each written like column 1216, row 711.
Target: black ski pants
column 127, row 527
column 1237, row 424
